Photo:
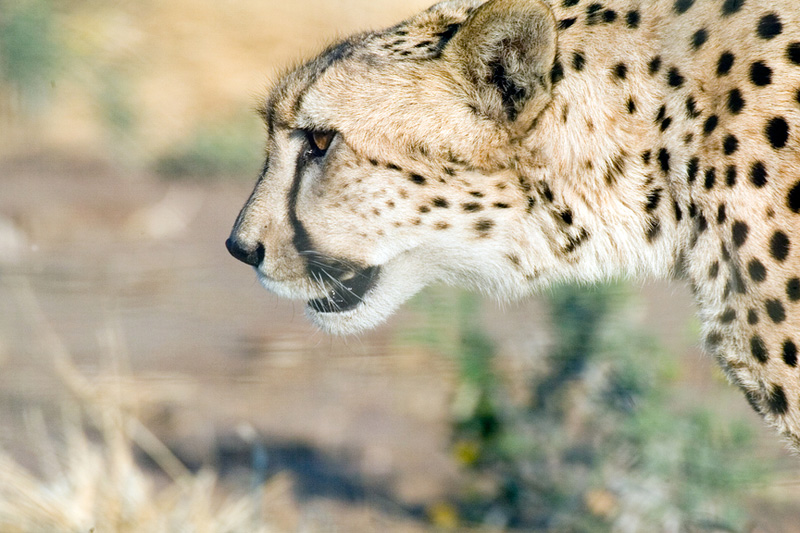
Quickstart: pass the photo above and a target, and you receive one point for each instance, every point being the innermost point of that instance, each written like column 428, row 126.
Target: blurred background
column 148, row 383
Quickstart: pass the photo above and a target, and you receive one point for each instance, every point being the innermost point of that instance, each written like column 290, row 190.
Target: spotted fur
column 508, row 144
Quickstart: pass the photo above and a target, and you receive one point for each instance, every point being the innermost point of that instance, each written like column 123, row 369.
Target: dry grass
column 99, row 487
column 89, row 477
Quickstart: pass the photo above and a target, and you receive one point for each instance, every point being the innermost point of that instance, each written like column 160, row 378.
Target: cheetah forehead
column 401, row 47
column 365, row 86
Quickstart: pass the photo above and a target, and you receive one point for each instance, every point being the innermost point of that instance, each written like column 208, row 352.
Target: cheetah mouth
column 347, row 292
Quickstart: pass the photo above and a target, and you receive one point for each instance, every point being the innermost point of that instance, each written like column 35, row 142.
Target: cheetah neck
column 680, row 145
column 605, row 146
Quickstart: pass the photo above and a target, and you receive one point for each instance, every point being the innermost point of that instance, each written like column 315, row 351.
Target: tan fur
column 509, row 144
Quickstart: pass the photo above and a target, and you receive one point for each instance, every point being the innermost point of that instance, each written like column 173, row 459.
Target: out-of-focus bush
column 599, row 445
column 28, row 48
column 228, row 149
column 141, row 82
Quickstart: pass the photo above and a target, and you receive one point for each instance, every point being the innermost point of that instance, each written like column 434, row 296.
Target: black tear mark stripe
column 301, row 239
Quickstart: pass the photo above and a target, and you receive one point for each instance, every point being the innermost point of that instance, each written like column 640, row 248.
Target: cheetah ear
column 505, row 52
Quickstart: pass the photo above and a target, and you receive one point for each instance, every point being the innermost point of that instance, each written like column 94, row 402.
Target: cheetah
column 505, row 145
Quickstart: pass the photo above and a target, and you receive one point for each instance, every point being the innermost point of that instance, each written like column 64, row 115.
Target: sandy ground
column 133, row 276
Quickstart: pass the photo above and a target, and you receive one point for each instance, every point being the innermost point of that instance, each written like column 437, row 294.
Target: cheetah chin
column 368, row 297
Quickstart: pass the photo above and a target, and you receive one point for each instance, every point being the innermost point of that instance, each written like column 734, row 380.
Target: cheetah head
column 391, row 162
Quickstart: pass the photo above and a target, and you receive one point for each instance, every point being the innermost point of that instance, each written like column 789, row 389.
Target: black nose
column 251, row 256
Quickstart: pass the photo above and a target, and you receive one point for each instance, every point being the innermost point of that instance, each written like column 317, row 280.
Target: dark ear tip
column 507, row 52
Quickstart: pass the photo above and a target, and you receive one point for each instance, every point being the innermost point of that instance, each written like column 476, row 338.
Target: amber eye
column 320, row 141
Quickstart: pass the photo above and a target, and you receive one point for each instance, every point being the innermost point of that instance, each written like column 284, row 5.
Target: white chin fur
column 398, row 281
column 286, row 290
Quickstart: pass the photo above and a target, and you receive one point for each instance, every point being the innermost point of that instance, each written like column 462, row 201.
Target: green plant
column 28, row 45
column 231, row 148
column 598, row 444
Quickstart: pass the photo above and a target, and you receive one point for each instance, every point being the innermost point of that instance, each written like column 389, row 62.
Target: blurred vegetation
column 29, row 50
column 114, row 101
column 229, row 149
column 598, row 445
column 88, row 66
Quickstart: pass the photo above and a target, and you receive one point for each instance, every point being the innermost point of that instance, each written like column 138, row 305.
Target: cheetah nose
column 251, row 256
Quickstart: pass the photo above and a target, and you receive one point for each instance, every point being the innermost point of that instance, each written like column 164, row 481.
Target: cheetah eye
column 320, row 141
